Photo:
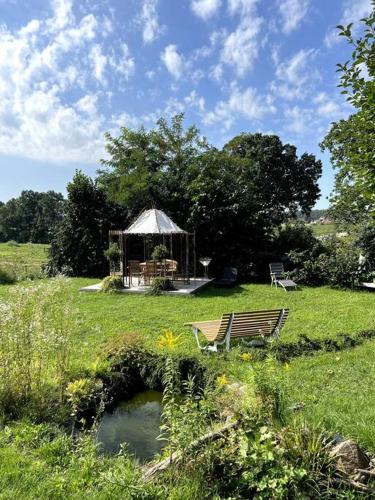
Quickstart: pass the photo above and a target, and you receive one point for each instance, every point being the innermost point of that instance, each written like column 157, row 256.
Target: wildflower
column 287, row 367
column 337, row 358
column 222, row 380
column 245, row 356
column 168, row 339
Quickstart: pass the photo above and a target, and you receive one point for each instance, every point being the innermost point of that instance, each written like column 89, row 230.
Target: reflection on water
column 135, row 422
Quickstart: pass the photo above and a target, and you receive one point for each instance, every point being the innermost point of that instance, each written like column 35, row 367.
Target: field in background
column 23, row 259
column 322, row 229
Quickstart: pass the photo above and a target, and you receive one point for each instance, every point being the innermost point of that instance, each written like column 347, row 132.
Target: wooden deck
column 181, row 288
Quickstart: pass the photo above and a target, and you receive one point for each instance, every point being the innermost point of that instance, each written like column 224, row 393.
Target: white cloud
column 292, row 13
column 353, row 11
column 87, row 104
column 99, row 62
column 240, row 48
column 205, row 8
column 41, row 65
column 151, row 29
column 296, row 75
column 123, row 64
column 246, row 103
column 329, row 108
column 242, row 7
column 174, row 62
column 193, row 100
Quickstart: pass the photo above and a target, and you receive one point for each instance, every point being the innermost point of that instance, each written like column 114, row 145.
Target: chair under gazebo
column 137, row 266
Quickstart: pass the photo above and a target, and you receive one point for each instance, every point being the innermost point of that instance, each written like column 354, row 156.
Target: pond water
column 135, row 422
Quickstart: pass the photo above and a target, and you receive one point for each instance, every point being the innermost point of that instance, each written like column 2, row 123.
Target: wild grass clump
column 7, row 277
column 161, row 285
column 36, row 335
column 13, row 243
column 111, row 284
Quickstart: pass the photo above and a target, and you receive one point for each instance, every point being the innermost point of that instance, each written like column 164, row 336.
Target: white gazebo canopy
column 154, row 222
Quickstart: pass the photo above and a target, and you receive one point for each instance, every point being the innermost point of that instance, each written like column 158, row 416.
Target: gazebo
column 151, row 228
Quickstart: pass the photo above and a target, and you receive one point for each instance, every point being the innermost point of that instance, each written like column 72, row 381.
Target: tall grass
column 36, row 327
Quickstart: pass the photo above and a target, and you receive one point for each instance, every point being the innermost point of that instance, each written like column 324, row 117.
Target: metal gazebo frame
column 153, row 224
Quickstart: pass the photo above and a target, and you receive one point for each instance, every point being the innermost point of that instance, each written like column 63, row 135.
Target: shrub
column 161, row 285
column 111, row 284
column 12, row 243
column 333, row 261
column 160, row 252
column 83, row 393
column 7, row 277
column 112, row 253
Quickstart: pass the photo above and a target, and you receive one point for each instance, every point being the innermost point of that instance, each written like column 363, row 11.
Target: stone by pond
column 136, row 423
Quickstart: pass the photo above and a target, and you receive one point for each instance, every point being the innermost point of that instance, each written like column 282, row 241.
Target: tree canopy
column 32, row 217
column 78, row 246
column 351, row 142
column 233, row 197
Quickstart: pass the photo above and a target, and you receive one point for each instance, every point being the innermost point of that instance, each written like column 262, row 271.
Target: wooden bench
column 243, row 325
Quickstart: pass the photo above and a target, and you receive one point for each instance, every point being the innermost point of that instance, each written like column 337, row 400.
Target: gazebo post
column 124, row 259
column 187, row 258
column 194, row 258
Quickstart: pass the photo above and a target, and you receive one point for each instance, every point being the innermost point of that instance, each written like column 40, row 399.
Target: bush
column 113, row 253
column 333, row 261
column 161, row 285
column 13, row 243
column 294, row 237
column 160, row 252
column 111, row 284
column 7, row 277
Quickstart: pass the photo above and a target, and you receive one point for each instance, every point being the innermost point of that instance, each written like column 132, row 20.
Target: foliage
column 366, row 243
column 186, row 413
column 334, row 261
column 31, row 217
column 160, row 285
column 111, row 284
column 269, row 387
column 160, row 252
column 168, row 339
column 36, row 327
column 232, row 197
column 82, row 392
column 78, row 246
column 112, row 253
column 351, row 141
column 295, row 237
column 7, row 277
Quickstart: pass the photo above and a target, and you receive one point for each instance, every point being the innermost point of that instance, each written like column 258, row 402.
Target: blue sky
column 72, row 70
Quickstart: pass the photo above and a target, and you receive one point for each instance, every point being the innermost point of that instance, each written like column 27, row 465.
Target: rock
column 349, row 457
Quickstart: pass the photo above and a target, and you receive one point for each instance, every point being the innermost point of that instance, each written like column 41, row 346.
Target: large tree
column 32, row 217
column 232, row 197
column 82, row 236
column 351, row 142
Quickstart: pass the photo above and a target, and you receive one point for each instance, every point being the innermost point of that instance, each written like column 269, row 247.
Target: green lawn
column 336, row 392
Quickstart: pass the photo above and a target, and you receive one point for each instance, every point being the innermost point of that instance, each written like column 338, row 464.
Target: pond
column 136, row 423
